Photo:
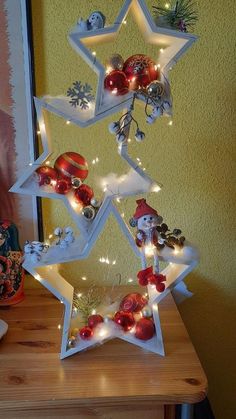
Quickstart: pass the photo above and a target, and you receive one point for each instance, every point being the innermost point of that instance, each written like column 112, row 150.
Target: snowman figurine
column 146, row 219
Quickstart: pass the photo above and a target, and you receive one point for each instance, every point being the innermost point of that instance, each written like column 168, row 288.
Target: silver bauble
column 147, row 312
column 115, row 62
column 89, row 212
column 76, row 182
column 95, row 203
column 155, row 89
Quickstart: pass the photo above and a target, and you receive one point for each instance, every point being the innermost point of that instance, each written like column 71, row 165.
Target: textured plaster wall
column 194, row 159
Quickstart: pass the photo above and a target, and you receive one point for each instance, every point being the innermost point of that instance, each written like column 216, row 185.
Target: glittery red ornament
column 133, row 303
column 86, row 333
column 140, row 70
column 124, row 319
column 45, row 175
column 62, row 186
column 144, row 329
column 72, row 164
column 116, row 82
column 94, row 320
column 83, row 194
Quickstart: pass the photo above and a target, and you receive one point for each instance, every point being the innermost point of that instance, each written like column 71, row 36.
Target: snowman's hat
column 143, row 209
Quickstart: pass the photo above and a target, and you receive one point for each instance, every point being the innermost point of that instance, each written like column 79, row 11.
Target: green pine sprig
column 181, row 10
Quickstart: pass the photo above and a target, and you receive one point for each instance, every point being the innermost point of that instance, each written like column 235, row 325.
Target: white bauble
column 68, row 230
column 120, row 138
column 58, row 231
column 139, row 136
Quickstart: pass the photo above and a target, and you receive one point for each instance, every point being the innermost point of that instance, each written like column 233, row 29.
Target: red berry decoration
column 71, row 164
column 144, row 329
column 45, row 175
column 62, row 186
column 86, row 333
column 125, row 320
column 83, row 194
column 158, row 279
column 140, row 70
column 116, row 82
column 94, row 320
column 133, row 303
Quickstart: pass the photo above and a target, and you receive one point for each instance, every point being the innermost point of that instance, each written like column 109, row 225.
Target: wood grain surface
column 116, row 377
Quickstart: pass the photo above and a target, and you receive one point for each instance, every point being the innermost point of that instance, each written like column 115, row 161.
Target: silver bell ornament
column 156, row 112
column 115, row 62
column 155, row 89
column 76, row 182
column 89, row 212
column 147, row 312
column 114, row 127
column 139, row 136
column 120, row 138
column 150, row 119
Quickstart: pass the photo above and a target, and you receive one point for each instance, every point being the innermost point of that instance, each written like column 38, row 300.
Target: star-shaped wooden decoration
column 171, row 45
column 135, row 182
column 49, row 277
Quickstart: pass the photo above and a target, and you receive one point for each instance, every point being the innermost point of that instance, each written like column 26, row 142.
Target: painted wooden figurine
column 148, row 240
column 11, row 271
column 95, row 21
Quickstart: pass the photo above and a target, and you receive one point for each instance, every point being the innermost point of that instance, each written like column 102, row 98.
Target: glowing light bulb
column 59, row 326
column 138, row 159
column 170, row 123
column 129, row 140
column 155, row 188
column 79, row 294
column 68, row 122
column 149, row 249
column 30, row 164
column 118, row 200
column 114, row 262
column 167, row 6
column 94, row 53
column 124, row 22
column 38, row 132
column 130, row 280
column 83, row 278
column 50, row 236
column 161, row 50
column 47, row 162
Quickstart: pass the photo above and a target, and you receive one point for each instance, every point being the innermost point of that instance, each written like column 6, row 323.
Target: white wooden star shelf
column 172, row 44
column 179, row 263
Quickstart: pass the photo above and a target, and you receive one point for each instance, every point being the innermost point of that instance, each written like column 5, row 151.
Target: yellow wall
column 193, row 159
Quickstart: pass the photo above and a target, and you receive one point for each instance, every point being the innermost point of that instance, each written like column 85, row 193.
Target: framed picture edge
column 28, row 51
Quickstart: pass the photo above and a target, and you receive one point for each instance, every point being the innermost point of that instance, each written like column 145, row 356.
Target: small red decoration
column 86, row 333
column 125, row 320
column 83, row 194
column 144, row 329
column 133, row 303
column 71, row 164
column 116, row 82
column 94, row 320
column 45, row 175
column 143, row 276
column 158, row 279
column 62, row 186
column 140, row 70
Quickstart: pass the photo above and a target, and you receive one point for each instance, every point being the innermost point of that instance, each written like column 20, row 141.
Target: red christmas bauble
column 116, row 82
column 45, row 175
column 83, row 194
column 144, row 329
column 86, row 333
column 124, row 319
column 94, row 320
column 62, row 186
column 133, row 303
column 140, row 70
column 71, row 164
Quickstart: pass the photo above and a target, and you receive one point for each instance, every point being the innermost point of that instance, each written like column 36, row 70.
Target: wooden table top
column 31, row 371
